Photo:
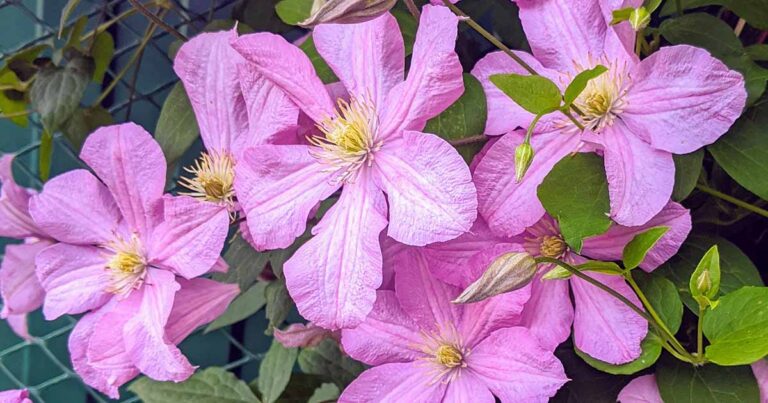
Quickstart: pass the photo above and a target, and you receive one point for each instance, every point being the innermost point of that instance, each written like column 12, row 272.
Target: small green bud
column 523, row 158
column 509, row 272
column 704, row 282
column 639, row 18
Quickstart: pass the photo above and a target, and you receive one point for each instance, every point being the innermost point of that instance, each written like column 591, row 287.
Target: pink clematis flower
column 637, row 114
column 423, row 348
column 20, row 291
column 549, row 313
column 369, row 145
column 15, row 396
column 122, row 245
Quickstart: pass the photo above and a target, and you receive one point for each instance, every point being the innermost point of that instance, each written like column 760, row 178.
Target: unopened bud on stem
column 509, row 272
column 704, row 282
column 523, row 158
column 346, row 11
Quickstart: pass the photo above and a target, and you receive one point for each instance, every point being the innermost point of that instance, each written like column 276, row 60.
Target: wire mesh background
column 43, row 365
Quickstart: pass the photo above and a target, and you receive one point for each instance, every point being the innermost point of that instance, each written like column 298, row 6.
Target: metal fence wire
column 43, row 365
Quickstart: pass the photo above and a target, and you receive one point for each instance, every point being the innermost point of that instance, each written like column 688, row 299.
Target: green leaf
column 635, row 251
column 737, row 329
column 211, row 385
column 464, row 118
column 279, row 303
column 56, row 93
column 736, row 270
column 575, row 193
column 408, row 25
column 300, row 388
column 621, row 15
column 65, row 12
column 743, row 151
column 577, row 85
column 245, row 263
column 83, row 122
column 758, row 52
column 10, row 104
column 243, row 306
column 102, row 52
column 680, row 382
column 292, row 12
column 75, row 31
column 176, row 128
column 275, row 371
column 651, row 5
column 651, row 350
column 327, row 361
column 321, row 67
column 687, row 171
column 705, row 280
column 325, row 393
column 536, row 94
column 719, row 40
column 755, row 12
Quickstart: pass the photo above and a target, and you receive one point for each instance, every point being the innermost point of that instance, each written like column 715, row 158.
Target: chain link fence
column 43, row 365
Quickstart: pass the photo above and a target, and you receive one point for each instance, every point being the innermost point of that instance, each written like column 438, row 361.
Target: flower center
column 126, row 266
column 349, row 139
column 214, row 176
column 449, row 356
column 603, row 98
column 552, row 246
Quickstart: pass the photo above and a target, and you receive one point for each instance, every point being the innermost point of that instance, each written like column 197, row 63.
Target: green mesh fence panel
column 43, row 365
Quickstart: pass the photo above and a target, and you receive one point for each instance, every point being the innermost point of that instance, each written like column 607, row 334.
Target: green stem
column 487, row 35
column 733, row 200
column 157, row 20
column 529, row 132
column 700, row 333
column 412, row 9
column 679, row 7
column 478, row 138
column 15, row 114
column 648, row 307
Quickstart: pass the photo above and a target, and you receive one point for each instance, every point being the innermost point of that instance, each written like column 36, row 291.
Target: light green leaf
column 687, row 171
column 736, row 270
column 327, row 361
column 651, row 5
column 621, row 15
column 536, row 94
column 464, row 118
column 65, row 12
column 292, row 12
column 681, row 382
column 275, row 371
column 635, row 251
column 12, row 101
column 575, row 193
column 558, row 272
column 211, row 385
column 176, row 128
column 242, row 307
column 326, row 392
column 321, row 67
column 737, row 329
column 577, row 85
column 651, row 350
column 279, row 303
column 56, row 93
column 83, row 122
column 102, row 52
column 705, row 280
column 743, row 151
column 755, row 12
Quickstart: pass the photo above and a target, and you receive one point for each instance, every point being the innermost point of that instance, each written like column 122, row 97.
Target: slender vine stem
column 478, row 138
column 732, row 200
column 487, row 35
column 15, row 114
column 700, row 333
column 157, row 20
column 412, row 9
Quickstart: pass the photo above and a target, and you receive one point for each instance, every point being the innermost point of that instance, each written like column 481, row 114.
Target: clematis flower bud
column 704, row 282
column 523, row 157
column 346, row 11
column 509, row 272
column 639, row 18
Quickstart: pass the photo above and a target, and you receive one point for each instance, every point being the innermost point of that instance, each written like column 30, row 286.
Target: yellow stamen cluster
column 449, row 356
column 349, row 139
column 213, row 180
column 603, row 98
column 552, row 246
column 126, row 266
column 443, row 354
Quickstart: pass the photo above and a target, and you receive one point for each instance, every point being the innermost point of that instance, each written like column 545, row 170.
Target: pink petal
column 368, row 57
column 208, row 67
column 610, row 245
column 642, row 389
column 129, row 161
column 429, row 188
column 277, row 187
column 301, row 335
column 333, row 278
column 504, row 114
column 521, row 371
column 145, row 339
column 507, row 206
column 75, row 207
column 549, row 312
column 191, row 237
column 289, row 69
column 20, row 290
column 394, row 382
column 198, row 301
column 434, row 79
column 386, row 335
column 424, row 298
column 99, row 358
column 18, row 323
column 74, row 279
column 603, row 326
column 15, row 396
column 682, row 99
column 272, row 116
column 468, row 387
column 760, row 370
column 15, row 221
column 640, row 178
